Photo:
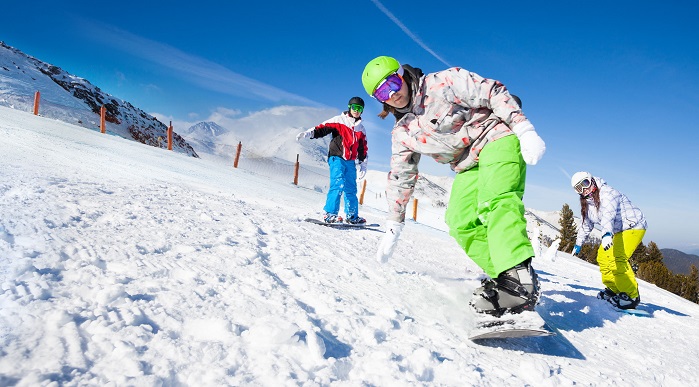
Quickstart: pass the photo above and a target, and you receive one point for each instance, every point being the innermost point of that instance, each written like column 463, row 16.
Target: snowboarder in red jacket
column 347, row 147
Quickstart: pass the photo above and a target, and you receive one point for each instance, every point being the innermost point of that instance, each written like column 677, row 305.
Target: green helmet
column 377, row 70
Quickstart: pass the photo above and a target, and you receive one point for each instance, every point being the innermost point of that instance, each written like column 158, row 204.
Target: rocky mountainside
column 75, row 100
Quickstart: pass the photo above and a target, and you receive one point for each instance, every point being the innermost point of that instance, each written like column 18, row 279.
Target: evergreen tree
column 652, row 269
column 675, row 283
column 654, row 272
column 650, row 266
column 568, row 229
column 639, row 256
column 589, row 249
column 690, row 288
column 653, row 253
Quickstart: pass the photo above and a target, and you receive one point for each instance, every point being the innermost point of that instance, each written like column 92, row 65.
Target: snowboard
column 634, row 312
column 364, row 226
column 525, row 324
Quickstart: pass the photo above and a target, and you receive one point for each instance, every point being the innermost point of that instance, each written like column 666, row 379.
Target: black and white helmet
column 581, row 181
column 356, row 100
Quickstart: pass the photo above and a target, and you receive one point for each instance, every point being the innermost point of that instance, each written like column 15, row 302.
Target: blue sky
column 610, row 86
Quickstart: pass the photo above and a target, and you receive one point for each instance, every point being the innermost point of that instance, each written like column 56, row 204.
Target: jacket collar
column 412, row 77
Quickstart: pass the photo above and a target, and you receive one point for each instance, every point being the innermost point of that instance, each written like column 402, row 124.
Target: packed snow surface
column 127, row 264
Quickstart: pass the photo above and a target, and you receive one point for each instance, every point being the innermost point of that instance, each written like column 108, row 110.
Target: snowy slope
column 75, row 100
column 127, row 264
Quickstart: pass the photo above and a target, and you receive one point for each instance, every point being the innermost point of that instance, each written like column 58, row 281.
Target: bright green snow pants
column 486, row 214
column 617, row 274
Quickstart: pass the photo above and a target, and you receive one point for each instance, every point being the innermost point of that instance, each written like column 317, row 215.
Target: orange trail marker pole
column 361, row 195
column 37, row 97
column 103, row 125
column 237, row 155
column 169, row 137
column 296, row 171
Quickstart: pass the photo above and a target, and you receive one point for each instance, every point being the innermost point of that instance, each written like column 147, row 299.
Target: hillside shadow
column 652, row 308
column 577, row 313
column 573, row 310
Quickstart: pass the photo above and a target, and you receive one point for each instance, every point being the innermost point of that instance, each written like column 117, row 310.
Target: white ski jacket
column 454, row 114
column 616, row 213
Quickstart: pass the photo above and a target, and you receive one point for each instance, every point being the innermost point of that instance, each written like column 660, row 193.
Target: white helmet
column 580, row 181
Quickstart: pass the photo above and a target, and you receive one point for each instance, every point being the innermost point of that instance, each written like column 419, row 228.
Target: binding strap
column 491, row 295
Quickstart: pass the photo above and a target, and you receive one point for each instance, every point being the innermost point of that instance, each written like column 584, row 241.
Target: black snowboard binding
column 513, row 291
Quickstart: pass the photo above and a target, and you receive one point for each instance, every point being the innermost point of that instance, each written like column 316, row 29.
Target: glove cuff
column 523, row 127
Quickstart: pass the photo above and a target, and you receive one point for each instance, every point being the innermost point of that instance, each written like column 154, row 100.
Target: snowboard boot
column 355, row 220
column 623, row 301
column 332, row 218
column 513, row 291
column 606, row 294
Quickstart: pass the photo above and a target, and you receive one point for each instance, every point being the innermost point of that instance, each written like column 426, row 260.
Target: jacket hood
column 412, row 76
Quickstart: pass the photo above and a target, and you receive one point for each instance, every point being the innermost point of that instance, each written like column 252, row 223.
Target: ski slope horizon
column 128, row 264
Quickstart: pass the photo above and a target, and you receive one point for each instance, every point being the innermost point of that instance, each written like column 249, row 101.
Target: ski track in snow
column 167, row 271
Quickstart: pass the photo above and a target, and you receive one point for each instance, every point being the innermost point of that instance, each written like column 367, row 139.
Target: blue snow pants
column 343, row 178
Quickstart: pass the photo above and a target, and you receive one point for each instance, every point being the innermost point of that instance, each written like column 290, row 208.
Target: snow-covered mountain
column 205, row 130
column 270, row 133
column 170, row 270
column 75, row 100
column 203, row 136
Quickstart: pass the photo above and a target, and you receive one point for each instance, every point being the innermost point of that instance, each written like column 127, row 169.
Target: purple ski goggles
column 388, row 87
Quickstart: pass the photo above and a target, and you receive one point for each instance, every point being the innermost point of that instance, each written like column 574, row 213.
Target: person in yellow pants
column 623, row 225
column 617, row 274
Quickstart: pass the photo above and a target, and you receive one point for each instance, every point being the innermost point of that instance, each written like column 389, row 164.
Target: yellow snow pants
column 617, row 273
column 486, row 214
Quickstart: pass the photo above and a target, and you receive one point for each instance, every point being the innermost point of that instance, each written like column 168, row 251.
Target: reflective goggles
column 357, row 108
column 582, row 185
column 388, row 87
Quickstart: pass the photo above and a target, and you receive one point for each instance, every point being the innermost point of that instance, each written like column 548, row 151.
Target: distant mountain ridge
column 75, row 100
column 679, row 262
column 205, row 129
column 203, row 135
